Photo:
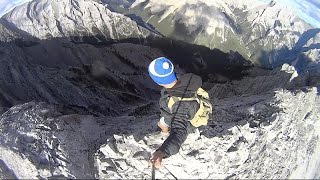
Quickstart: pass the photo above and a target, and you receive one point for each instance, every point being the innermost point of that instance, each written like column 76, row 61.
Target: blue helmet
column 161, row 70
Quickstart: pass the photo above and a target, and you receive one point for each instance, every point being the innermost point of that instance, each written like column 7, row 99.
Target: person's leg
column 163, row 126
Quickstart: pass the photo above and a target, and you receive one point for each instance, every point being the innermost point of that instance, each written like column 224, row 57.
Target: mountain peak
column 68, row 18
column 262, row 32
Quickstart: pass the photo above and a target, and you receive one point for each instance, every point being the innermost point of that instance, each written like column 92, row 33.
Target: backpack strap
column 205, row 107
column 174, row 99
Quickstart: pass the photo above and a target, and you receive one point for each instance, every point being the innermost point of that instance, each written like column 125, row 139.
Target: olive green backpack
column 205, row 110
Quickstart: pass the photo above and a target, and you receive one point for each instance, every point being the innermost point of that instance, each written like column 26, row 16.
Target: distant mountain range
column 266, row 34
column 46, row 19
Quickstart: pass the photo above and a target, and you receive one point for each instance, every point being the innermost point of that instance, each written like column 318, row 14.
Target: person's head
column 161, row 71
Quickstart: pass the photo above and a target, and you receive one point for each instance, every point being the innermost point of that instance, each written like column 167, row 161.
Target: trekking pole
column 170, row 173
column 153, row 172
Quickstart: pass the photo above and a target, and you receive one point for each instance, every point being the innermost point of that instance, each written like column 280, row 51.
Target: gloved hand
column 156, row 158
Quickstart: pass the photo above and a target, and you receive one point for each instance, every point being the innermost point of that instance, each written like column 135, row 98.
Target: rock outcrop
column 76, row 100
column 260, row 133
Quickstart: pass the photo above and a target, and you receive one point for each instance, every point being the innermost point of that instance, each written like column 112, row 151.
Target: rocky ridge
column 76, row 100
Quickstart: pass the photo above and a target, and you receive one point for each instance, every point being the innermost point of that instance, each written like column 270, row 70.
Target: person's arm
column 178, row 134
column 183, row 112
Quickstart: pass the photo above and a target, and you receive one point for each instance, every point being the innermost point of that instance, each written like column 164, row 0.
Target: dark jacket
column 182, row 111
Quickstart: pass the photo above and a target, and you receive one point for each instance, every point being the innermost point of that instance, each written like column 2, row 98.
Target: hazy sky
column 7, row 5
column 309, row 10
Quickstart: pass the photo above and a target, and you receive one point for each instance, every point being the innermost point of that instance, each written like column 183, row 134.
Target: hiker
column 184, row 106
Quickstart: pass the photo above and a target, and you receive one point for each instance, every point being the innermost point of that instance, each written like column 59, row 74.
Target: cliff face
column 77, row 77
column 64, row 52
column 77, row 102
column 73, row 18
column 267, row 131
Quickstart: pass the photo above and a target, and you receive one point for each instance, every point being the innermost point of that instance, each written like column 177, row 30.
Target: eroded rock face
column 74, row 68
column 30, row 146
column 78, row 77
column 75, row 19
column 267, row 134
column 76, row 106
column 37, row 141
column 62, row 52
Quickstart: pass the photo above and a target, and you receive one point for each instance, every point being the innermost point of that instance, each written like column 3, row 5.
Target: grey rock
column 74, row 19
column 260, row 134
column 77, row 102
